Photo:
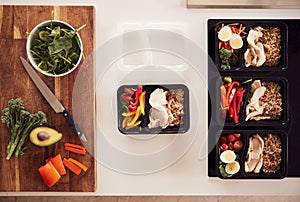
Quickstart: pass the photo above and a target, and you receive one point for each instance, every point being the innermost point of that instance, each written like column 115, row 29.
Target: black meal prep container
column 242, row 114
column 242, row 73
column 143, row 128
column 245, row 135
column 283, row 62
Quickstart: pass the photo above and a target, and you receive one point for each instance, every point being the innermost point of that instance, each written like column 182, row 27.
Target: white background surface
column 188, row 176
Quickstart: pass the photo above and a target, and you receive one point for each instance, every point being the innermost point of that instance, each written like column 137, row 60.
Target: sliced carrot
column 75, row 150
column 72, row 167
column 81, row 165
column 58, row 164
column 74, row 145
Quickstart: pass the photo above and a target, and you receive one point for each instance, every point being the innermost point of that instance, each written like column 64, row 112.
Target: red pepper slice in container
column 235, row 113
column 232, row 84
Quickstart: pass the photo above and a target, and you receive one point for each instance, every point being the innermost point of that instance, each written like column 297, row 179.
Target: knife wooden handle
column 74, row 125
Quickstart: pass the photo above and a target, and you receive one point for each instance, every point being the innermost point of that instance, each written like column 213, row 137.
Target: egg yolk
column 233, row 166
column 229, row 156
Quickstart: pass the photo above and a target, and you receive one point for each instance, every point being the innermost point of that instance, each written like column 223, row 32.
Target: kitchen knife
column 52, row 99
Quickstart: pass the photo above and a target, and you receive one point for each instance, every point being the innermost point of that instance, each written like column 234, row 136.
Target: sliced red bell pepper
column 58, row 164
column 49, row 174
column 232, row 84
column 125, row 98
column 232, row 94
column 132, row 108
column 129, row 91
column 235, row 113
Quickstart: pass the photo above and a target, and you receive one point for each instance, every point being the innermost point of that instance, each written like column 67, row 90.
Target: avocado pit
column 42, row 135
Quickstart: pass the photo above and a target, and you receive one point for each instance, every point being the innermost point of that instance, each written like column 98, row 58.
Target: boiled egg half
column 227, row 156
column 232, row 168
column 236, row 41
column 225, row 33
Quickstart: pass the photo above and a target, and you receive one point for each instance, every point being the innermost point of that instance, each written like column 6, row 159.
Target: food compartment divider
column 283, row 62
column 144, row 129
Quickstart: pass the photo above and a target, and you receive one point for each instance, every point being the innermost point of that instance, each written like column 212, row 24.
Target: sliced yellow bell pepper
column 128, row 113
column 134, row 125
column 142, row 99
column 125, row 121
column 136, row 116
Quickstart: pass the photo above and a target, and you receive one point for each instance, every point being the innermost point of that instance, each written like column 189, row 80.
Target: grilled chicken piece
column 254, row 158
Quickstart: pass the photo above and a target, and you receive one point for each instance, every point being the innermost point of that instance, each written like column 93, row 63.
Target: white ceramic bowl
column 34, row 34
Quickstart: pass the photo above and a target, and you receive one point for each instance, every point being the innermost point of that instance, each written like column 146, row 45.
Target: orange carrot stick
column 74, row 145
column 75, row 150
column 81, row 165
column 72, row 167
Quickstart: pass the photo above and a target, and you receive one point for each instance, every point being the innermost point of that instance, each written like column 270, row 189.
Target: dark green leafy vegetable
column 56, row 50
column 227, row 58
column 20, row 123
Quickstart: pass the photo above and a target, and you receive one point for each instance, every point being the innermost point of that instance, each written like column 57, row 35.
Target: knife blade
column 52, row 99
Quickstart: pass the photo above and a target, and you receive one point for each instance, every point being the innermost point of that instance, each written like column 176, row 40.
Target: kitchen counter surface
column 187, row 174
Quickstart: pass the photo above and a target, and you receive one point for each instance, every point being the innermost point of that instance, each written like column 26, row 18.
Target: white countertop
column 188, row 174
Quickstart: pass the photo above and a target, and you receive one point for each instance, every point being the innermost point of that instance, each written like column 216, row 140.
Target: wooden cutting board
column 20, row 174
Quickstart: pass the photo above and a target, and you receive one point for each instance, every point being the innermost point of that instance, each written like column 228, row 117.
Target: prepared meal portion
column 153, row 109
column 230, row 41
column 166, row 108
column 264, row 154
column 265, row 101
column 231, row 94
column 263, row 47
column 230, row 146
column 133, row 103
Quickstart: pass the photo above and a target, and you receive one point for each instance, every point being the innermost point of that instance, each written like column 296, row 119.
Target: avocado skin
column 55, row 136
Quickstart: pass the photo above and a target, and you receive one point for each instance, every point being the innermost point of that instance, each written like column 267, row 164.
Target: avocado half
column 44, row 136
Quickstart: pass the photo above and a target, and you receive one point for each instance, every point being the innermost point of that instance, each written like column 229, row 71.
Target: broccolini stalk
column 20, row 123
column 34, row 120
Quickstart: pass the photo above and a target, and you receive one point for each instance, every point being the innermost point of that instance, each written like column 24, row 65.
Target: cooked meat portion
column 160, row 116
column 255, row 54
column 166, row 108
column 254, row 158
column 265, row 101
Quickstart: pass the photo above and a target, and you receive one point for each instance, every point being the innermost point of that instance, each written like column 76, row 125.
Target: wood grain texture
column 20, row 174
column 153, row 198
